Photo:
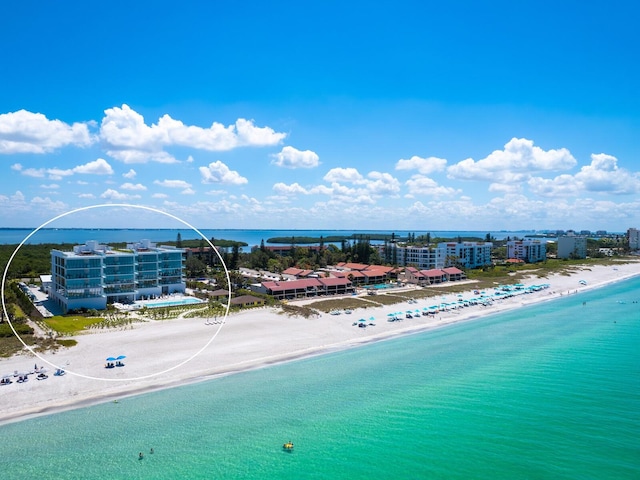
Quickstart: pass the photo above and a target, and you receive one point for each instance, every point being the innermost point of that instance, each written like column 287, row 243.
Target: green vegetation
column 350, row 303
column 21, row 329
column 200, row 242
column 68, row 325
column 299, row 311
column 31, row 260
column 67, row 342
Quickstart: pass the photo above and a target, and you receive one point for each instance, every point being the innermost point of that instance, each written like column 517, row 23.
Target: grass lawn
column 71, row 324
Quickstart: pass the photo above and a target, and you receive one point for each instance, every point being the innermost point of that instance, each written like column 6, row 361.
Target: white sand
column 247, row 340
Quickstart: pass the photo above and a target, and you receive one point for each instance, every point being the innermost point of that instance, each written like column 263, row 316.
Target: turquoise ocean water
column 548, row 392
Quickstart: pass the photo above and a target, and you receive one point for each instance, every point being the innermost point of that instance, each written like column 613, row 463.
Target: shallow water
column 548, row 391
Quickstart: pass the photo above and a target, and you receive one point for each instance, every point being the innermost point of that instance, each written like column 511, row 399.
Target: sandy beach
column 163, row 354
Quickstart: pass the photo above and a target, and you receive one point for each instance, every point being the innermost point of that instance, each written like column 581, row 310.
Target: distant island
column 377, row 237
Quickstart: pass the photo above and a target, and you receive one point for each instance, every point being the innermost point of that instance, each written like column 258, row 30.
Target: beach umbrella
column 121, row 357
column 111, row 359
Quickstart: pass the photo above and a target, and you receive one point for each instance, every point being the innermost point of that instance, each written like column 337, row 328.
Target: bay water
column 550, row 391
column 252, row 238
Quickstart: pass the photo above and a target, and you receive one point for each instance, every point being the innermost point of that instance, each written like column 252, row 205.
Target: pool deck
column 164, row 301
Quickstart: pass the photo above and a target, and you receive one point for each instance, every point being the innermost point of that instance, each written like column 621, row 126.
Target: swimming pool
column 171, row 302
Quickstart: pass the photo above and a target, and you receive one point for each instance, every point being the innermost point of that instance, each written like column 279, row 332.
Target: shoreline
column 251, row 340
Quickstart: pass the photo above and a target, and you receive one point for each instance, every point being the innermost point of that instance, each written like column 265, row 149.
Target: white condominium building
column 93, row 275
column 572, row 246
column 423, row 258
column 531, row 250
column 633, row 237
column 467, row 254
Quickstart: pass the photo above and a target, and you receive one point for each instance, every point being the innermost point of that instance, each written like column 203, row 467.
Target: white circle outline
column 121, row 205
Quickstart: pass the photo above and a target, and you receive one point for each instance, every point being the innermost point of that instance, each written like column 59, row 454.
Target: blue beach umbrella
column 121, row 357
column 111, row 359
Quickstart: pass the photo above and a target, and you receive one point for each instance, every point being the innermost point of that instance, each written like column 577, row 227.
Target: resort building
column 433, row 276
column 572, row 246
column 93, row 275
column 633, row 237
column 309, row 287
column 467, row 254
column 445, row 254
column 530, row 250
column 420, row 257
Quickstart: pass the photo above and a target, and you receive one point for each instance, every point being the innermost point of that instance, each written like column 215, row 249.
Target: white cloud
column 294, row 188
column 172, row 183
column 188, row 191
column 129, row 139
column 51, row 186
column 421, row 185
column 505, row 188
column 27, row 132
column 97, row 167
column 130, row 174
column 290, row 157
column 424, row 165
column 382, row 184
column 560, row 186
column 603, row 175
column 111, row 194
column 47, row 204
column 58, row 173
column 131, row 186
column 34, row 172
column 350, row 175
column 218, row 172
column 515, row 163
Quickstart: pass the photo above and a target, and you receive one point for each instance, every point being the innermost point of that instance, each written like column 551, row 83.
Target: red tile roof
column 291, row 285
column 356, row 266
column 434, row 272
column 452, row 271
column 332, row 282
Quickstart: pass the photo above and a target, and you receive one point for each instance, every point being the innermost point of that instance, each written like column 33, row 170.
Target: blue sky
column 460, row 115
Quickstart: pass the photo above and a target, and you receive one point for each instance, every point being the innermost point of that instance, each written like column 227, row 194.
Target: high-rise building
column 467, row 254
column 531, row 250
column 445, row 254
column 572, row 246
column 93, row 275
column 633, row 237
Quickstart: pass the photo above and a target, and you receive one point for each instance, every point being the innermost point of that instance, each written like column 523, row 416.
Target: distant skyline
column 404, row 115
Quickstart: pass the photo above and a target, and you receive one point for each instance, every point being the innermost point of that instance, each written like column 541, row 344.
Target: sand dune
column 162, row 354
